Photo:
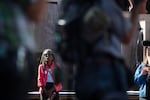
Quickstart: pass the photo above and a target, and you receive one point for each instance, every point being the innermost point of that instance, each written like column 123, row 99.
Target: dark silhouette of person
column 91, row 33
column 17, row 46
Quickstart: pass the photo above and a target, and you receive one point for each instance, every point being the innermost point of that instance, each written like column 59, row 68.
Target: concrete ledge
column 64, row 95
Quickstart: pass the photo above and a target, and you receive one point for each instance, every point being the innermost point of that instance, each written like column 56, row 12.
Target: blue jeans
column 99, row 80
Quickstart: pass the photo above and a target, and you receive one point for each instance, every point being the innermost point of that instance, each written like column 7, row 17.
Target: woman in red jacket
column 49, row 76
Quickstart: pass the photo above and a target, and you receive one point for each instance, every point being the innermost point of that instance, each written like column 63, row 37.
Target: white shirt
column 50, row 78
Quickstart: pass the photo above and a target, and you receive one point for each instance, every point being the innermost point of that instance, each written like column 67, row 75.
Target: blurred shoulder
column 58, row 65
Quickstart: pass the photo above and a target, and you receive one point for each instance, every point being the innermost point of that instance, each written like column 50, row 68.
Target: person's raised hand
column 145, row 71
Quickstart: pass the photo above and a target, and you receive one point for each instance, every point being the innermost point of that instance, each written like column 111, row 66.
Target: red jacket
column 42, row 77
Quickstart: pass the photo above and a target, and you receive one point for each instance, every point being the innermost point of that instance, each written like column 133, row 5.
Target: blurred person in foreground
column 17, row 46
column 90, row 33
column 141, row 76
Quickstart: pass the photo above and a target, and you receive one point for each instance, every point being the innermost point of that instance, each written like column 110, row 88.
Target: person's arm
column 33, row 9
column 40, row 83
column 36, row 10
column 137, row 9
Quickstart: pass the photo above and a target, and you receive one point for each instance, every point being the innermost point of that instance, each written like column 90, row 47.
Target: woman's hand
column 41, row 90
column 145, row 70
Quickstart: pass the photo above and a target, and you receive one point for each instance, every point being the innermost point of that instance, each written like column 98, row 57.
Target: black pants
column 49, row 86
column 102, row 77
